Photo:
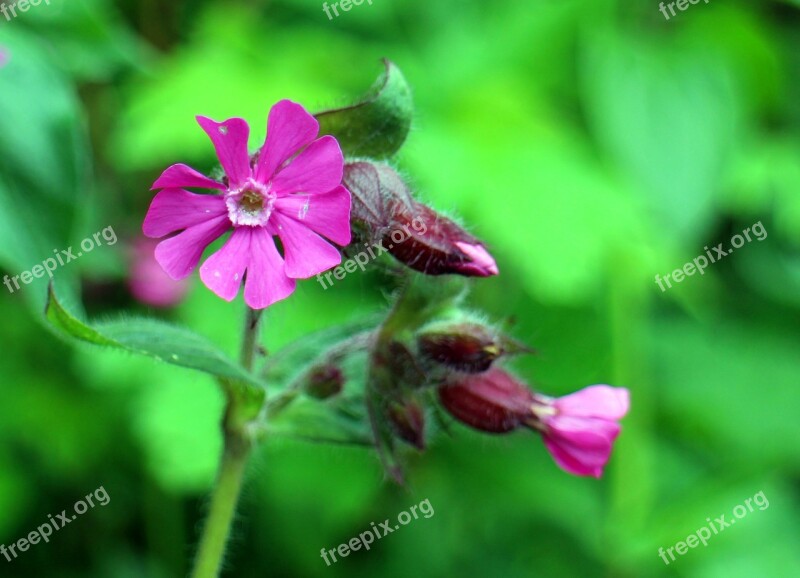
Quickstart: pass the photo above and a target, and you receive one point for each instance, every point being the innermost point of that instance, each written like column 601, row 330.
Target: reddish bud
column 465, row 347
column 493, row 401
column 430, row 243
column 325, row 381
column 384, row 210
column 408, row 422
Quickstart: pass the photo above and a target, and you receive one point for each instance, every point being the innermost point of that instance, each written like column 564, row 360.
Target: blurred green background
column 592, row 145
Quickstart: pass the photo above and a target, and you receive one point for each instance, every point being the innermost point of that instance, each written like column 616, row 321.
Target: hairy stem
column 237, row 445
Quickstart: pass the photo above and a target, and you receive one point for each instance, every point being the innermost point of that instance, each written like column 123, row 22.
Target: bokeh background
column 591, row 144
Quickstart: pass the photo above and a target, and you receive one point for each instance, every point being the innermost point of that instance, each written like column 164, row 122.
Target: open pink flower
column 291, row 188
column 578, row 430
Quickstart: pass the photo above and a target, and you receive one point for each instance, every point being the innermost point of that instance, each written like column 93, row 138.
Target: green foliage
column 591, row 145
column 44, row 160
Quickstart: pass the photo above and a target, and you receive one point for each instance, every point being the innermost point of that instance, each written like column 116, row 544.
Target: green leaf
column 155, row 339
column 378, row 125
column 44, row 163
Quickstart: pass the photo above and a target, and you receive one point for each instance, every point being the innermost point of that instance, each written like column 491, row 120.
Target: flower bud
column 468, row 347
column 324, row 381
column 430, row 243
column 384, row 210
column 408, row 421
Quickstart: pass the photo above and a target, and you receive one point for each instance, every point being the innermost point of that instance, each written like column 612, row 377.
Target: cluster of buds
column 578, row 430
column 458, row 359
column 433, row 244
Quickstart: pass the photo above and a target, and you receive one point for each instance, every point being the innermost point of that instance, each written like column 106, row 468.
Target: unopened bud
column 430, row 243
column 324, row 381
column 468, row 347
column 384, row 210
column 408, row 422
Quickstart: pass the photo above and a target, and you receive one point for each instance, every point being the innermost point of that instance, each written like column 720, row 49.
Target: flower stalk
column 236, row 451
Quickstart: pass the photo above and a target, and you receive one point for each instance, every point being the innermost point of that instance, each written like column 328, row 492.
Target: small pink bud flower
column 147, row 281
column 578, row 430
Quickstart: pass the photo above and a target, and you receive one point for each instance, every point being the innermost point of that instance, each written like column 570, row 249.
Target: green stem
column 211, row 551
column 221, row 514
column 250, row 338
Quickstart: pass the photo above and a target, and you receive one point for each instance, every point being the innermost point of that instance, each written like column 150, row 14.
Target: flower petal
column 581, row 446
column 224, row 270
column 306, row 252
column 482, row 264
column 174, row 209
column 180, row 176
column 266, row 280
column 327, row 214
column 230, row 141
column 568, row 463
column 180, row 254
column 602, row 401
column 290, row 127
column 318, row 169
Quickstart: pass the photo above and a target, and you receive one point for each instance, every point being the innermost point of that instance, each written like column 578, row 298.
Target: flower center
column 250, row 205
column 251, row 202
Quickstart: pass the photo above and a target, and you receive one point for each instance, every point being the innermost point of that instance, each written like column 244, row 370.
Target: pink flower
column 291, row 188
column 148, row 282
column 578, row 430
